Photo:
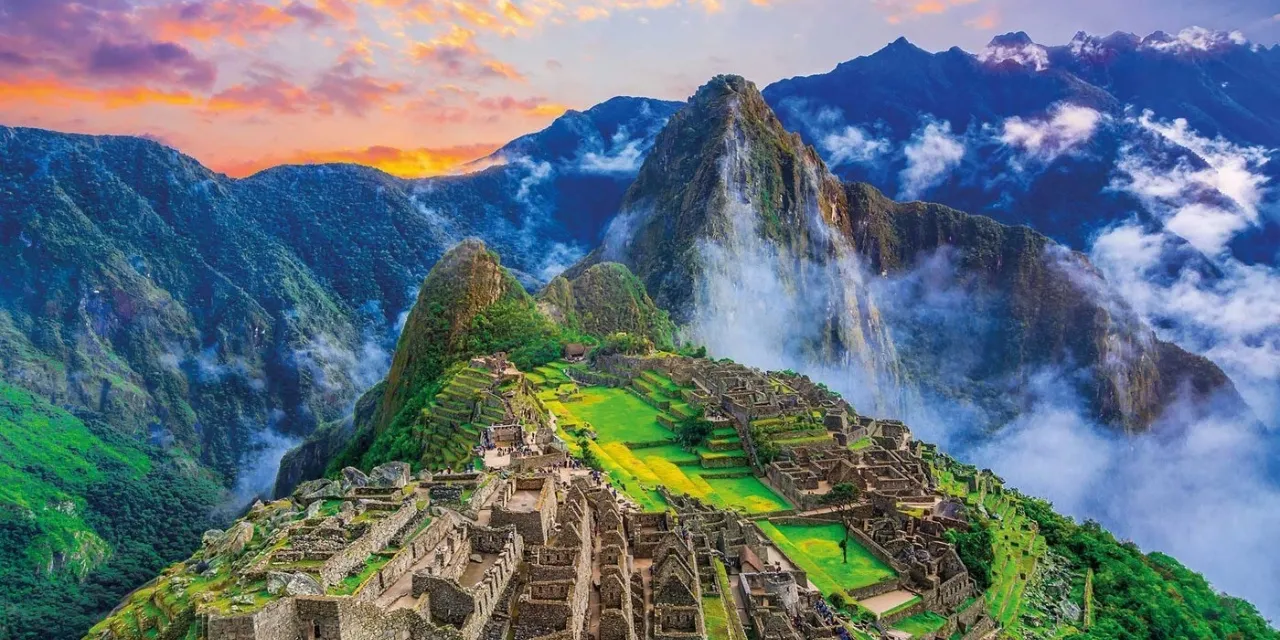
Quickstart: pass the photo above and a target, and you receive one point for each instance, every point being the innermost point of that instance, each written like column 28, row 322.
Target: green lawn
column 816, row 549
column 717, row 619
column 619, row 417
column 921, row 624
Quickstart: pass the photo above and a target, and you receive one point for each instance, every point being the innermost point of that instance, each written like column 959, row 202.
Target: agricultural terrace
column 921, row 624
column 634, row 445
column 816, row 548
column 1016, row 547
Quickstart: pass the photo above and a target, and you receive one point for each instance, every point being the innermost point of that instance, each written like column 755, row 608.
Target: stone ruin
column 888, row 465
column 550, row 553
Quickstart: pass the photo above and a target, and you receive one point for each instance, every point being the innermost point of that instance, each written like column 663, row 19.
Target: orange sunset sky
column 417, row 87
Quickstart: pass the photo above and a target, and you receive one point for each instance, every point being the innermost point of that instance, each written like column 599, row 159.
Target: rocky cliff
column 734, row 225
column 1028, row 306
column 739, row 230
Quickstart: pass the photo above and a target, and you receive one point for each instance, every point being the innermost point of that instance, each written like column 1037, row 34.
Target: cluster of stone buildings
column 545, row 551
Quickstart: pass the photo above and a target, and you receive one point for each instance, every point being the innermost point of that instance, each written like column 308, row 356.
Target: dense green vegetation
column 1136, row 595
column 607, row 298
column 85, row 516
column 975, row 549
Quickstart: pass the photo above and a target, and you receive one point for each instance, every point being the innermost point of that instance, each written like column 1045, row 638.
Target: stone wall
column 424, row 543
column 487, row 488
column 375, row 539
column 534, row 525
column 276, row 620
column 876, row 550
column 873, row 590
column 723, row 462
column 897, row 616
column 532, row 462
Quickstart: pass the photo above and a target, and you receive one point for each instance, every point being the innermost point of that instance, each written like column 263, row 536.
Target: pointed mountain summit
column 464, row 283
column 735, row 227
column 738, row 229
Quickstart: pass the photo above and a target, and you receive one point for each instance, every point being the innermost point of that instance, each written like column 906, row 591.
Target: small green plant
column 837, row 600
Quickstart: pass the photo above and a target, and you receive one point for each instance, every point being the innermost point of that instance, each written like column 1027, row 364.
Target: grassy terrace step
column 644, row 386
column 658, row 380
column 802, row 442
column 792, row 434
column 724, row 432
column 725, row 444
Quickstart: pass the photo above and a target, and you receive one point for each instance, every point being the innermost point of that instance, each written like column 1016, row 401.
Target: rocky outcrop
column 1030, row 306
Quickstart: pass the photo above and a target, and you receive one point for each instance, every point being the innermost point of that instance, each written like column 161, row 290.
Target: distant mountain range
column 988, row 132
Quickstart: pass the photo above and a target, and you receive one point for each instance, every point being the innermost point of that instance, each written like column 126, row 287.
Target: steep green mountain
column 606, row 298
column 445, row 322
column 739, row 231
column 468, row 305
column 85, row 513
column 729, row 218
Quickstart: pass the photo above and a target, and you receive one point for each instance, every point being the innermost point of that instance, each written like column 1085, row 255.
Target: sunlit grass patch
column 816, row 549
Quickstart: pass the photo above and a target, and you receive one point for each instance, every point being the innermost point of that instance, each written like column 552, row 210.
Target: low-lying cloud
column 932, row 154
column 1065, row 128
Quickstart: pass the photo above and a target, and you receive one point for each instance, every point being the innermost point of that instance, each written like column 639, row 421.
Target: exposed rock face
column 310, row 459
column 322, row 489
column 229, row 543
column 392, row 474
column 605, row 298
column 735, row 227
column 301, row 584
column 1032, row 305
column 355, row 478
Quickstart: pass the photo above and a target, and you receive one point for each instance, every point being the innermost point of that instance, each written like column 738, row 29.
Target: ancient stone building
column 557, row 585
column 528, row 503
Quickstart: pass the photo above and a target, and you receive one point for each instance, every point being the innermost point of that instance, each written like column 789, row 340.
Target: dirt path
column 887, row 601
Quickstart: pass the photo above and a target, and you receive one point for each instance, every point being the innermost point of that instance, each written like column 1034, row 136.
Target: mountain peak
column 1011, row 39
column 721, row 90
column 467, row 280
column 898, row 49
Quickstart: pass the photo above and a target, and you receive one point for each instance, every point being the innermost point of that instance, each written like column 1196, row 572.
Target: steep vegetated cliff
column 606, row 298
column 471, row 305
